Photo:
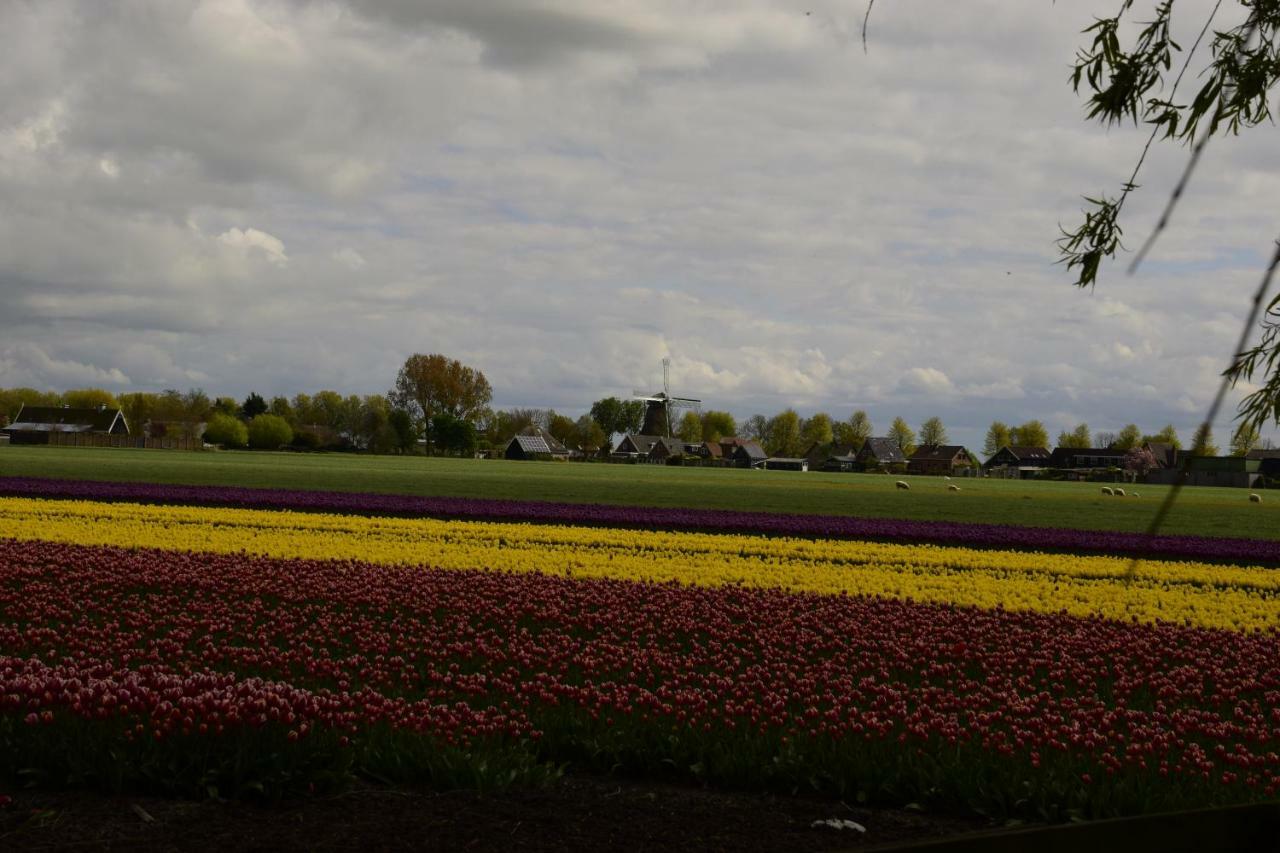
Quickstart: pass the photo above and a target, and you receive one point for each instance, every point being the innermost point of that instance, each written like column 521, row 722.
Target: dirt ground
column 575, row 814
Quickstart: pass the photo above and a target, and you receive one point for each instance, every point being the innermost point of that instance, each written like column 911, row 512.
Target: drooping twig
column 1196, row 151
column 865, row 19
column 1131, row 184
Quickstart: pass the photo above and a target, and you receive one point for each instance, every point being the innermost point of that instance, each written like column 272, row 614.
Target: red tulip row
column 890, row 698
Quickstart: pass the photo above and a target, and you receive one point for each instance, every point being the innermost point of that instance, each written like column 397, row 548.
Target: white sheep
column 946, row 478
column 1106, row 490
column 1118, row 491
column 903, row 484
column 1254, row 497
column 952, row 487
column 1135, row 494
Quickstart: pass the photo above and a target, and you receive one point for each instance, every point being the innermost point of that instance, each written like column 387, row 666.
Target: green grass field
column 1202, row 511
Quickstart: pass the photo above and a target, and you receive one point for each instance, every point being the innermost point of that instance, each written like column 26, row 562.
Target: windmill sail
column 660, row 408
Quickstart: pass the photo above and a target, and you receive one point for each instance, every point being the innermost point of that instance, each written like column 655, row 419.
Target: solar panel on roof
column 533, row 444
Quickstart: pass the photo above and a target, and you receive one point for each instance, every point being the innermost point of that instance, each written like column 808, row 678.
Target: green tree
column 782, row 434
column 816, row 429
column 303, row 411
column 328, row 409
column 453, row 435
column 1168, row 435
column 226, row 405
column 196, row 406
column 1030, row 434
column 90, row 398
column 933, row 432
column 253, row 406
column 562, row 428
column 853, row 432
column 1207, row 446
column 903, row 436
column 282, row 407
column 718, row 425
column 428, row 385
column 406, row 434
column 1244, row 439
column 137, row 407
column 374, row 431
column 1077, row 439
column 1130, row 437
column 226, row 430
column 269, row 432
column 618, row 417
column 998, row 437
column 690, row 428
column 589, row 437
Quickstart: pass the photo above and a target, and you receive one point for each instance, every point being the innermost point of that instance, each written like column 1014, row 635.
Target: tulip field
column 203, row 639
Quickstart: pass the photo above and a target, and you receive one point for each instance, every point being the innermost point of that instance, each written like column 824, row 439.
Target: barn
column 34, row 424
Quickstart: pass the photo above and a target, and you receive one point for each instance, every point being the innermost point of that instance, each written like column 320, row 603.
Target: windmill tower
column 660, row 409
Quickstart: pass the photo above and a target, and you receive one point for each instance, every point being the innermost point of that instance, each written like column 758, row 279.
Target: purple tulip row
column 663, row 518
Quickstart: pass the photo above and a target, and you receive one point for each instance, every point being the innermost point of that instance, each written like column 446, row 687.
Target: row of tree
column 444, row 404
column 1033, row 434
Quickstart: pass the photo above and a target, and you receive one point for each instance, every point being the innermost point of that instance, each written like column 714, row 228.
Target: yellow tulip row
column 1237, row 598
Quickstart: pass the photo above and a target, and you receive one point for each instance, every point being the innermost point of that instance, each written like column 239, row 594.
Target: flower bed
column 1248, row 551
column 224, row 669
column 1241, row 598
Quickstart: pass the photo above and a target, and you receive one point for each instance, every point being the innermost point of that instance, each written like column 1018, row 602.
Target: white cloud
column 28, row 364
column 350, row 258
column 927, row 380
column 251, row 242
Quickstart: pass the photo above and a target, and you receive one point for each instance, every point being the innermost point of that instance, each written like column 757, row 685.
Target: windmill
column 660, row 408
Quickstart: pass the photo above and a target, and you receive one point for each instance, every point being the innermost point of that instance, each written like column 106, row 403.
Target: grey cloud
column 565, row 193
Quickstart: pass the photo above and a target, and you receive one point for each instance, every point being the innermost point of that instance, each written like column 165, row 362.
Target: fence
column 90, row 439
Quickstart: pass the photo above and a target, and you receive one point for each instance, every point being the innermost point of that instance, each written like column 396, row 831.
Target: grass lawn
column 1202, row 511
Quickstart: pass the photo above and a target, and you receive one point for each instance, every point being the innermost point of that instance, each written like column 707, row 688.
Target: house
column 1263, row 453
column 665, row 449
column 1269, row 470
column 527, row 447
column 1081, row 459
column 879, row 454
column 818, row 454
column 1237, row 471
column 633, row 448
column 1166, row 455
column 748, row 454
column 938, row 459
column 712, row 452
column 841, row 462
column 535, row 443
column 784, row 463
column 34, row 424
column 1020, row 462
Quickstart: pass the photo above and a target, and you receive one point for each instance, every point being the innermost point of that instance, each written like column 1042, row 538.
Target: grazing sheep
column 1254, row 497
column 1135, row 494
column 1118, row 491
column 946, row 478
column 1106, row 490
column 952, row 487
column 903, row 484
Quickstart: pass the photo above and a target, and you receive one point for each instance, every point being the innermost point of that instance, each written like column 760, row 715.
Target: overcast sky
column 286, row 197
